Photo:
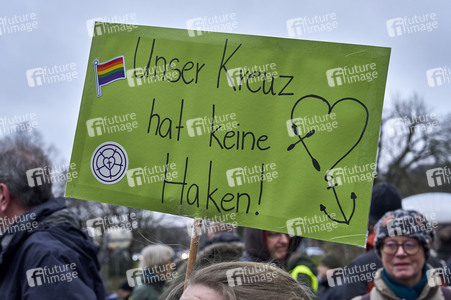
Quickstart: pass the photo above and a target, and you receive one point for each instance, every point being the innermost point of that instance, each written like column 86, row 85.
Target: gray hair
column 18, row 154
column 156, row 255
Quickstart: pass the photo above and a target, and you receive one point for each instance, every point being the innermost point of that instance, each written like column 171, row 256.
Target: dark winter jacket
column 45, row 255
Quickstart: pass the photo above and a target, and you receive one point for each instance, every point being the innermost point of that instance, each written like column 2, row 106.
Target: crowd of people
column 46, row 254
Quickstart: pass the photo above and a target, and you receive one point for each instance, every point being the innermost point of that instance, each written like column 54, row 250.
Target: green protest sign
column 280, row 133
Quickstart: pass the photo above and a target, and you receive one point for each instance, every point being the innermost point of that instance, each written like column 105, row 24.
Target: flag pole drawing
column 109, row 71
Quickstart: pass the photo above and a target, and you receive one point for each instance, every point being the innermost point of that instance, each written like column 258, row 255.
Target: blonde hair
column 269, row 282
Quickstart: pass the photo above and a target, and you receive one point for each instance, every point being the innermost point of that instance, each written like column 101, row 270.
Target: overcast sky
column 39, row 34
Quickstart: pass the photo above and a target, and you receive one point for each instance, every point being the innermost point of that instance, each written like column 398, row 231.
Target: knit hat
column 408, row 223
column 384, row 197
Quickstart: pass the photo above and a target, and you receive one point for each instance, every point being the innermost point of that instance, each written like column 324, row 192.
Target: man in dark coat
column 43, row 252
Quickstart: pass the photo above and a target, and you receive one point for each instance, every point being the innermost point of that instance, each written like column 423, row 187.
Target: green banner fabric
column 278, row 134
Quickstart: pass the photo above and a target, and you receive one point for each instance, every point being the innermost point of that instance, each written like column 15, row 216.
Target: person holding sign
column 241, row 281
column 403, row 241
column 44, row 253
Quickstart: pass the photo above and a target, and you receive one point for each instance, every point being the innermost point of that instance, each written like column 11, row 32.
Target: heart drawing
column 316, row 164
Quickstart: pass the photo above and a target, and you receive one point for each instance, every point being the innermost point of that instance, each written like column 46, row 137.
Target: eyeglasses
column 410, row 247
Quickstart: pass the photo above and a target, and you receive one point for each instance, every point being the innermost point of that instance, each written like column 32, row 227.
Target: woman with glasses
column 403, row 241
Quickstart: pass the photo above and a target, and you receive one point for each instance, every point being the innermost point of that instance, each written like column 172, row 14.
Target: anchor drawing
column 329, row 178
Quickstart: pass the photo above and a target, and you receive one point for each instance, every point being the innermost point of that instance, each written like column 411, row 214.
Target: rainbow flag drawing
column 109, row 71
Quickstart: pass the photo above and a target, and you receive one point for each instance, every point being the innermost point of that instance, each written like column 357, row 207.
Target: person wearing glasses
column 403, row 241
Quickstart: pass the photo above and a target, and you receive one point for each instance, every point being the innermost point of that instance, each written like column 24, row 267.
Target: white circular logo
column 109, row 163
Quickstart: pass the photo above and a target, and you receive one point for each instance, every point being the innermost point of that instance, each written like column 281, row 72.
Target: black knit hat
column 385, row 197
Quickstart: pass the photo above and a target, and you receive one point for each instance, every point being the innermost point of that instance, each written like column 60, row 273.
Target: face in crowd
column 277, row 244
column 403, row 258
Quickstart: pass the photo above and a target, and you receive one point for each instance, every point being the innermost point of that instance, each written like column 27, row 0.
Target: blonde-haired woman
column 241, row 281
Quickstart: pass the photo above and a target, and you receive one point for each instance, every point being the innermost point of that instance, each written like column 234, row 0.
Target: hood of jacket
column 53, row 217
